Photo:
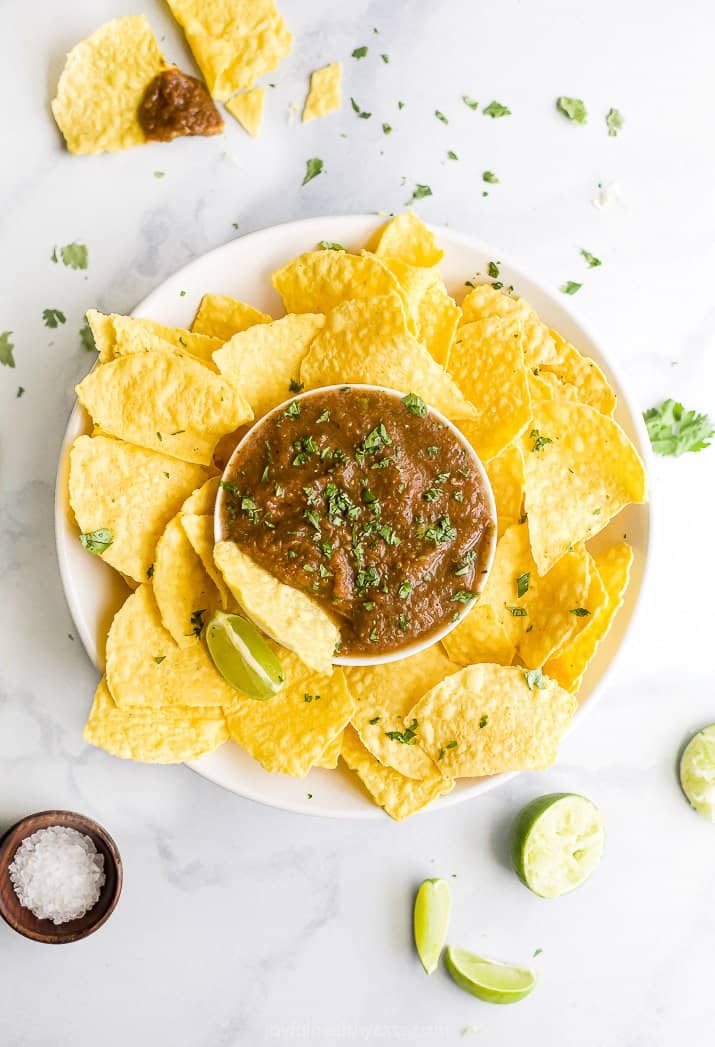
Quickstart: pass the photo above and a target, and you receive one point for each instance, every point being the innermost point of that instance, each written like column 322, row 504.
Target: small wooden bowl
column 20, row 918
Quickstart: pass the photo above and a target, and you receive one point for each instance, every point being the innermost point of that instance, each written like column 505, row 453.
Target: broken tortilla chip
column 324, row 94
column 248, row 109
column 222, row 317
column 406, row 237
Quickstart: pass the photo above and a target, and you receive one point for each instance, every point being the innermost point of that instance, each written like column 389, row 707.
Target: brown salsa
column 370, row 504
column 176, row 104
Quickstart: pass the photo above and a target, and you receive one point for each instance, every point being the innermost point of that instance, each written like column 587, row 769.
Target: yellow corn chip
column 397, row 795
column 165, row 402
column 102, row 85
column 131, row 492
column 233, row 41
column 484, row 301
column 506, row 475
column 578, row 377
column 284, row 613
column 578, row 480
column 331, row 753
column 291, row 731
column 434, row 314
column 317, row 281
column 570, row 662
column 222, row 317
column 146, row 667
column 248, row 109
column 116, row 335
column 480, row 637
column 182, row 586
column 487, row 363
column 324, row 94
column 406, row 237
column 485, row 719
column 168, row 735
column 543, row 385
column 202, row 501
column 368, row 341
column 384, row 693
column 200, row 532
column 261, row 361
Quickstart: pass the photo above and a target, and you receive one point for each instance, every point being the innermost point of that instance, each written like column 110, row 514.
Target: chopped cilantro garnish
column 403, row 623
column 375, row 719
column 295, row 387
column 388, row 534
column 471, row 102
column 539, row 441
column 6, row 348
column 159, row 658
column 359, row 52
column 590, row 258
column 440, row 532
column 614, row 122
column 580, row 612
column 489, row 176
column 74, row 255
column 441, row 117
column 466, row 564
column 87, row 338
column 387, row 129
column 97, row 541
column 375, row 440
column 462, row 596
column 293, row 409
column 159, row 174
column 483, row 721
column 385, row 58
column 20, row 392
column 415, row 404
column 534, row 678
column 313, row 519
column 53, row 317
column 420, row 192
column 229, row 487
column 496, row 109
column 324, row 416
column 516, row 612
column 311, row 697
column 451, row 155
column 313, row 167
column 330, row 245
column 570, row 287
column 197, row 622
column 404, row 590
column 493, row 269
column 360, row 112
column 674, row 431
column 400, row 105
column 406, row 737
column 573, row 108
column 522, row 584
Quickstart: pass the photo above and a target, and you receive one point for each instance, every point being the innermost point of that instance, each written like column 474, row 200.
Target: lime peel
column 489, row 980
column 557, row 842
column 430, row 921
column 242, row 656
column 697, row 772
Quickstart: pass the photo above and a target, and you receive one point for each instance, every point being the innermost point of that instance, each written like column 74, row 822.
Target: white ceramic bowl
column 431, row 638
column 242, row 268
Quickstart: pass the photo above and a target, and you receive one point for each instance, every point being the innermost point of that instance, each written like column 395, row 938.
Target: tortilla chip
column 487, row 363
column 200, row 532
column 202, row 501
column 131, row 492
column 331, row 754
column 145, row 666
column 384, row 693
column 181, row 584
column 291, row 731
column 434, row 314
column 368, row 341
column 116, row 335
column 406, row 237
column 233, row 41
column 485, row 301
column 324, row 94
column 543, row 385
column 102, row 85
column 578, row 377
column 569, row 663
column 506, row 476
column 397, row 795
column 164, row 402
column 261, row 362
column 577, row 482
column 167, row 735
column 288, row 615
column 317, row 281
column 552, row 603
column 248, row 109
column 480, row 637
column 222, row 317
column 497, row 722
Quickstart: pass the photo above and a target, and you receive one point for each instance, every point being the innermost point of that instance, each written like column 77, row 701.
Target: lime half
column 557, row 843
column 242, row 656
column 697, row 772
column 489, row 980
column 430, row 921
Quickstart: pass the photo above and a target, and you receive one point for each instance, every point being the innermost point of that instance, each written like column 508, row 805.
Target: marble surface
column 244, row 925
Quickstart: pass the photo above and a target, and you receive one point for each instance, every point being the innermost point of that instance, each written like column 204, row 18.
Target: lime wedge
column 557, row 843
column 697, row 772
column 430, row 920
column 489, row 980
column 242, row 656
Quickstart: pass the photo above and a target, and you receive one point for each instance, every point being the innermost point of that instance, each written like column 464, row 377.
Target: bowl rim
column 420, row 644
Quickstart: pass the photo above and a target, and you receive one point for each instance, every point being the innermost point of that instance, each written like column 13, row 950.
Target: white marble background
column 241, row 925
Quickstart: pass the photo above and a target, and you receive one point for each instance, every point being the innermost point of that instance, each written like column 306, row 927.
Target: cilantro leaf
column 421, row 191
column 385, row 58
column 415, row 404
column 590, row 258
column 614, row 122
column 20, row 392
column 313, row 168
column 489, row 176
column 534, row 678
column 674, row 431
column 573, row 108
column 97, row 541
column 496, row 109
column 472, row 103
column 75, row 255
column 6, row 348
column 330, row 245
column 359, row 52
column 451, row 155
column 387, row 129
column 87, row 338
column 570, row 287
column 53, row 317
column 441, row 117
column 360, row 112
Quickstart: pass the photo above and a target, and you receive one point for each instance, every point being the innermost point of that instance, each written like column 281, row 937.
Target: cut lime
column 489, row 980
column 557, row 843
column 697, row 772
column 430, row 920
column 242, row 656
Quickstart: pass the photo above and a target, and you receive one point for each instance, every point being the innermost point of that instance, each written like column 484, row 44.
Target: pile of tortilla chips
column 166, row 406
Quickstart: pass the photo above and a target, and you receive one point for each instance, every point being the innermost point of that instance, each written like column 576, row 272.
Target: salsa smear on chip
column 369, row 503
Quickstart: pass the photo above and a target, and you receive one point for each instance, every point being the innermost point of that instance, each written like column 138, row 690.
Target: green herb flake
column 540, row 442
column 516, row 612
column 441, row 532
column 591, row 259
column 462, row 596
column 385, row 58
column 360, row 112
column 330, row 245
column 74, row 255
column 534, row 679
column 313, row 168
column 493, row 269
column 375, row 719
column 359, row 52
column 489, row 176
column 580, row 612
column 441, row 117
column 495, row 110
column 159, row 174
column 673, row 430
column 570, row 287
column 451, row 155
column 53, row 318
column 573, row 108
column 522, row 584
column 20, row 392
column 420, row 192
column 97, row 541
column 87, row 338
column 472, row 103
column 415, row 404
column 483, row 721
column 614, row 122
column 387, row 129
column 406, row 737
column 295, row 387
column 293, row 409
column 404, row 590
column 6, row 348
column 159, row 658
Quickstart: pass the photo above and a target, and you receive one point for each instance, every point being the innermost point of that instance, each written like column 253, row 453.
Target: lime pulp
column 489, row 980
column 430, row 921
column 242, row 656
column 557, row 842
column 697, row 772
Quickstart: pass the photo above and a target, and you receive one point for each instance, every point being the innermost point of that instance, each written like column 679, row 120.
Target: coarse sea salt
column 57, row 873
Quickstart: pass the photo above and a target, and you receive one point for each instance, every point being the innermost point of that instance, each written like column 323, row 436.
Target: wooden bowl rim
column 12, row 839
